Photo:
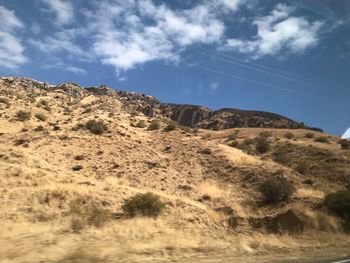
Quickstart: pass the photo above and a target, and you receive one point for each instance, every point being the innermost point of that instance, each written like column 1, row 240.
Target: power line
column 246, row 79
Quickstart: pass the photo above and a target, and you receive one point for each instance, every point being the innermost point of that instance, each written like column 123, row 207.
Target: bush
column 40, row 128
column 339, row 203
column 41, row 116
column 344, row 144
column 234, row 144
column 262, row 145
column 96, row 127
column 248, row 141
column 141, row 124
column 147, row 204
column 155, row 125
column 23, row 115
column 171, row 126
column 265, row 134
column 5, row 101
column 87, row 213
column 276, row 190
column 281, row 157
column 321, row 139
column 233, row 135
column 302, row 167
column 289, row 135
column 309, row 135
column 44, row 104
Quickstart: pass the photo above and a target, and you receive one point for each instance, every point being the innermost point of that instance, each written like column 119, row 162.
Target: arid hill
column 72, row 160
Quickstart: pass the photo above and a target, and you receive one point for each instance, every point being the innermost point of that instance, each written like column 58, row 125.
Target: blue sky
column 288, row 57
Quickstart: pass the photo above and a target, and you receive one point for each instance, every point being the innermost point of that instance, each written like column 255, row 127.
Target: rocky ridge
column 188, row 115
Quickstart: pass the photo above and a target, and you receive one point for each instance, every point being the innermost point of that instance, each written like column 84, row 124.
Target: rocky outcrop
column 71, row 89
column 188, row 115
column 292, row 222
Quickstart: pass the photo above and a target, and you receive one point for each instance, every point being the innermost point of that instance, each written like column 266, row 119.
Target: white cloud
column 62, row 9
column 62, row 41
column 278, row 32
column 229, row 5
column 214, row 86
column 129, row 41
column 66, row 67
column 11, row 49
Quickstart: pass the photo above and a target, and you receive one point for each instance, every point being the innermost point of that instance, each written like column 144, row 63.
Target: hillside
column 63, row 187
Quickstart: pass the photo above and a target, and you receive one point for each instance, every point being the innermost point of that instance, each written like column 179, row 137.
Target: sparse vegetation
column 171, row 126
column 233, row 135
column 276, row 190
column 96, row 126
column 302, row 167
column 41, row 116
column 281, row 157
column 44, row 104
column 234, row 144
column 344, row 144
column 40, row 128
column 289, row 135
column 309, row 135
column 86, row 213
column 77, row 167
column 321, row 139
column 262, row 145
column 23, row 115
column 147, row 204
column 155, row 125
column 265, row 134
column 5, row 101
column 339, row 203
column 141, row 124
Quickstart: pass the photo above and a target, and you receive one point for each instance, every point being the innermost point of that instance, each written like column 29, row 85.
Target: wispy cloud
column 214, row 86
column 11, row 49
column 278, row 32
column 63, row 11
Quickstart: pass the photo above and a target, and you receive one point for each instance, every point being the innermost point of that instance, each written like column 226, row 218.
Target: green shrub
column 262, row 145
column 41, row 116
column 141, row 124
column 147, row 204
column 23, row 115
column 321, row 139
column 96, row 127
column 339, row 203
column 155, row 125
column 276, row 190
column 289, row 135
column 265, row 134
column 344, row 144
column 171, row 126
column 309, row 135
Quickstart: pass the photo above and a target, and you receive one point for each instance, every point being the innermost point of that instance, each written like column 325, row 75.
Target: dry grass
column 38, row 187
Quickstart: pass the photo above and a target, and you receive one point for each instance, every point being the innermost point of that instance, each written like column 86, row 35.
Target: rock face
column 203, row 117
column 292, row 222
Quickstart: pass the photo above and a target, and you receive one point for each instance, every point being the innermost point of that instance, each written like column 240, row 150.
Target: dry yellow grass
column 38, row 183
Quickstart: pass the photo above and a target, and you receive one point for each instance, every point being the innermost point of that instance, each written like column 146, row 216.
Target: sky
column 289, row 57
